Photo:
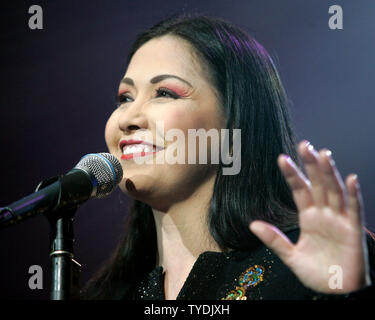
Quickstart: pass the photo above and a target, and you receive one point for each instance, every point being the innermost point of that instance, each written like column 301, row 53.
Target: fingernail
column 356, row 182
column 307, row 143
column 287, row 158
column 328, row 153
column 309, row 146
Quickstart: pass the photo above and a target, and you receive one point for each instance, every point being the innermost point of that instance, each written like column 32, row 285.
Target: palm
column 326, row 240
column 330, row 221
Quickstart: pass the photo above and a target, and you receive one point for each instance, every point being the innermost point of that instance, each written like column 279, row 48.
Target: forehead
column 166, row 54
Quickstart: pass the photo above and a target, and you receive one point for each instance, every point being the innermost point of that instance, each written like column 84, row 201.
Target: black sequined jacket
column 236, row 275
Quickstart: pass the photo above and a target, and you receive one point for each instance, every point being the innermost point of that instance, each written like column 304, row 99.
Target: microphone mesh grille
column 104, row 169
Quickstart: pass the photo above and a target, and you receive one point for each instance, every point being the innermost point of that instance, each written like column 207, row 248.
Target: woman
column 193, row 232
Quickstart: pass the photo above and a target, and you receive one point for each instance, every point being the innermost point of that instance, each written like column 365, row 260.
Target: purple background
column 58, row 86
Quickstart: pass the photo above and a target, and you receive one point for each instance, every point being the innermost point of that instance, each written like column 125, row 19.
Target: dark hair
column 253, row 99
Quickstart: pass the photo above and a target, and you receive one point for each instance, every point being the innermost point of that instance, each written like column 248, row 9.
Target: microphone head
column 105, row 172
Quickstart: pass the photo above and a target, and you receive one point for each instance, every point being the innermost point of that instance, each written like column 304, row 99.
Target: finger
column 274, row 239
column 298, row 183
column 355, row 202
column 333, row 182
column 311, row 161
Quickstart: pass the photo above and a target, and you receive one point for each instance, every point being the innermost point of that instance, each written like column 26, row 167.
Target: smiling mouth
column 136, row 148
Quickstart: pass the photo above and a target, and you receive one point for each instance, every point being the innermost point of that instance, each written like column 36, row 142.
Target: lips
column 137, row 148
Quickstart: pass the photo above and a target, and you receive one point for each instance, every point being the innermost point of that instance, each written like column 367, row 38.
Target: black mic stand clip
column 65, row 271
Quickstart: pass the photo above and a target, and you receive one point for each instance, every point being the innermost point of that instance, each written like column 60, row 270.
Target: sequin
column 236, row 294
column 251, row 277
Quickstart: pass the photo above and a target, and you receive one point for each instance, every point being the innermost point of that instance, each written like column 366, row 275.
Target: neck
column 182, row 231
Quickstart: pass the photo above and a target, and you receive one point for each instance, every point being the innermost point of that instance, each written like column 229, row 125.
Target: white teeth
column 129, row 149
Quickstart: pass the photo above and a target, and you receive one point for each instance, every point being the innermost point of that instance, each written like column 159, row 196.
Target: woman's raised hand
column 332, row 240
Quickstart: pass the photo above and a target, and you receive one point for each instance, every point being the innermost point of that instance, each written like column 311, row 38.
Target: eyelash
column 121, row 98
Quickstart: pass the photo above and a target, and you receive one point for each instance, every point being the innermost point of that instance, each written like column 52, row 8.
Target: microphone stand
column 65, row 271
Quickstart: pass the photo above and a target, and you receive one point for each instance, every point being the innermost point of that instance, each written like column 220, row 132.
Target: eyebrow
column 157, row 79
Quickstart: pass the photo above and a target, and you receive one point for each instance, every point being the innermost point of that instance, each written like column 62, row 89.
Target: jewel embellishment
column 249, row 278
column 237, row 294
column 252, row 276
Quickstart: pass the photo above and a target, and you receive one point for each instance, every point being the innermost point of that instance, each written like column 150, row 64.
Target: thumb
column 273, row 238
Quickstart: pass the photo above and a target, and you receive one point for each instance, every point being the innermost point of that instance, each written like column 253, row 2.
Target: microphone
column 95, row 176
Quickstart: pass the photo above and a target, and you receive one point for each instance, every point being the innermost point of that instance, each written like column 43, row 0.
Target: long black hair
column 253, row 99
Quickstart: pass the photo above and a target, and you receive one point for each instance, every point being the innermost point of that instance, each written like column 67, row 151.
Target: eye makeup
column 172, row 90
column 181, row 92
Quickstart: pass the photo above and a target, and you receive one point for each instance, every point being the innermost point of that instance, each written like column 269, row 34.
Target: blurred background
column 58, row 88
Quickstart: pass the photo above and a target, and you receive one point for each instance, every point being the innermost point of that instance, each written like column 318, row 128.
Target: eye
column 166, row 93
column 160, row 93
column 123, row 98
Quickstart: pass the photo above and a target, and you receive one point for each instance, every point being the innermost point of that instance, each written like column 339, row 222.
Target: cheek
column 110, row 131
column 184, row 120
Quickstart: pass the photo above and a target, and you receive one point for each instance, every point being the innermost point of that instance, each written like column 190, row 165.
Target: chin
column 142, row 188
column 137, row 186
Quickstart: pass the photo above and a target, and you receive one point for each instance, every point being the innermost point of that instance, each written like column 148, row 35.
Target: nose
column 132, row 118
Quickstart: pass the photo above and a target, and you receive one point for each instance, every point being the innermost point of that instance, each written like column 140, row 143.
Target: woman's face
column 164, row 89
